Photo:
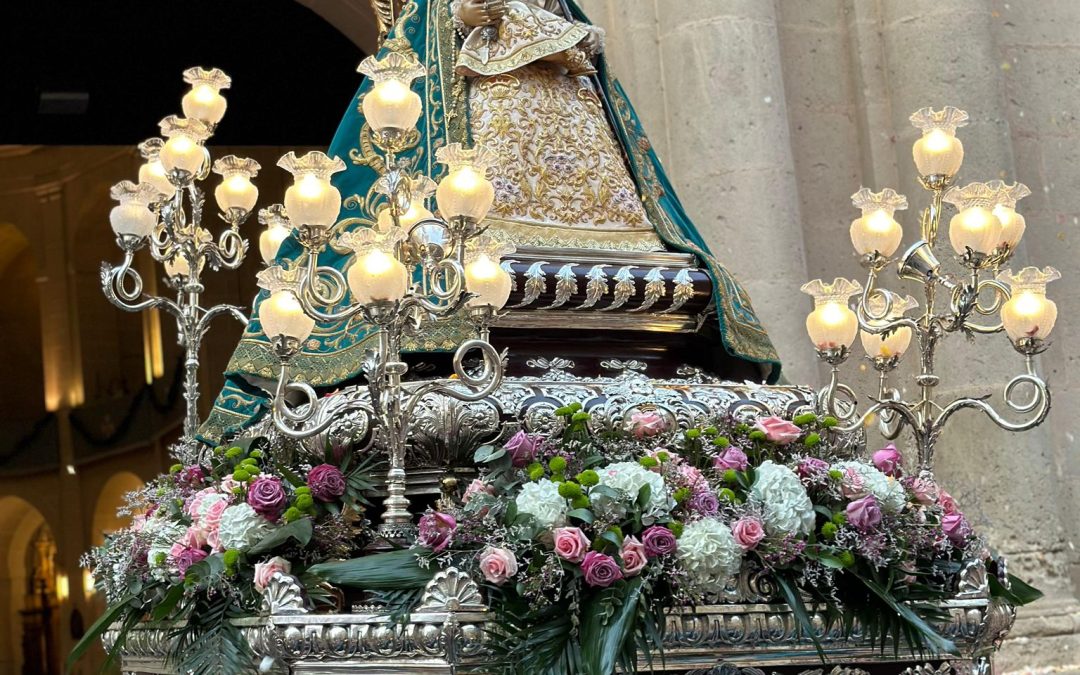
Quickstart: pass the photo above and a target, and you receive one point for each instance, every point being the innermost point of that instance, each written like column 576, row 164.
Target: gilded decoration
column 527, row 34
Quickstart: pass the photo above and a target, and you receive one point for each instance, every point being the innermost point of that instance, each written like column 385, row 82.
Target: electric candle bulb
column 377, row 277
column 391, row 104
column 975, row 226
column 877, row 230
column 183, row 150
column 282, row 315
column 465, row 191
column 204, row 101
column 896, row 343
column 236, row 190
column 311, row 200
column 489, row 282
column 832, row 324
column 133, row 215
column 938, row 151
column 1029, row 313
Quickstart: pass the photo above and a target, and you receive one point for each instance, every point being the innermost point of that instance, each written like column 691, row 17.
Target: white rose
column 241, row 527
column 630, row 477
column 543, row 502
column 786, row 508
column 888, row 491
column 708, row 552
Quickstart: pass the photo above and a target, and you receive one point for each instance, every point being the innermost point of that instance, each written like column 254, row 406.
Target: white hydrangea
column 630, row 477
column 162, row 534
column 543, row 502
column 709, row 554
column 241, row 527
column 786, row 508
column 888, row 491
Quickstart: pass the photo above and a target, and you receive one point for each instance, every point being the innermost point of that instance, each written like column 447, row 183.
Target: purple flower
column 864, row 513
column 184, row 557
column 704, row 502
column 326, row 482
column 812, row 466
column 522, row 448
column 658, row 541
column 956, row 528
column 267, row 497
column 732, row 458
column 192, row 475
column 888, row 461
column 437, row 530
column 600, row 569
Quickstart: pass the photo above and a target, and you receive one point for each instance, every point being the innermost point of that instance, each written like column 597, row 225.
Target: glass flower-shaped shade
column 1029, row 313
column 391, row 104
column 133, row 215
column 876, row 230
column 236, row 190
column 938, row 151
column 420, row 190
column 489, row 283
column 183, row 147
column 896, row 343
column 152, row 171
column 975, row 226
column 376, row 275
column 204, row 101
column 832, row 324
column 465, row 192
column 311, row 199
column 1012, row 223
column 277, row 230
column 281, row 314
column 178, row 266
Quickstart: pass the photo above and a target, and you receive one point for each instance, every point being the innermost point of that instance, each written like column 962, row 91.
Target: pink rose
column 571, row 544
column 646, row 424
column 437, row 530
column 956, row 528
column 672, row 458
column 947, row 503
column 498, row 565
column 924, row 490
column 264, row 571
column 888, row 461
column 184, row 557
column 812, row 466
column 229, row 485
column 633, row 556
column 748, row 533
column 704, row 502
column 477, row 487
column 732, row 458
column 194, row 537
column 864, row 513
column 326, row 482
column 690, row 476
column 778, row 430
column 852, row 484
column 600, row 569
column 658, row 540
column 522, row 448
column 211, row 520
column 195, row 503
column 267, row 497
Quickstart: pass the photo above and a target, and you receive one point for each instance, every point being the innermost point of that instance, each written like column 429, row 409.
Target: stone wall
column 769, row 115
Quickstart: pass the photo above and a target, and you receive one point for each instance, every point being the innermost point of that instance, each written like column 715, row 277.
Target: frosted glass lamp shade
column 832, row 325
column 153, row 173
column 1013, row 224
column 132, row 218
column 417, row 212
column 236, row 192
column 181, row 152
column 392, row 105
column 490, row 283
column 465, row 192
column 205, row 103
column 281, row 314
column 1029, row 313
column 938, row 151
column 376, row 276
column 976, row 228
column 896, row 344
column 878, row 232
column 313, row 201
column 270, row 242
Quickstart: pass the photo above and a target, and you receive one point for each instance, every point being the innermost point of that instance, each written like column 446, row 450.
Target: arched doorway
column 109, row 500
column 28, row 590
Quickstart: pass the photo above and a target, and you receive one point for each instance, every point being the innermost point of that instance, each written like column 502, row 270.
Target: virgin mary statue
column 527, row 80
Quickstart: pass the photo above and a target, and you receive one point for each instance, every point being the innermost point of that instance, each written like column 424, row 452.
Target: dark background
column 121, row 63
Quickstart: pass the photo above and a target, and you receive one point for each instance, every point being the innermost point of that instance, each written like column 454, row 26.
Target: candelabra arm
column 479, row 385
column 837, row 399
column 228, row 252
column 1037, row 406
column 899, row 408
column 218, row 310
column 114, row 282
column 1001, row 294
column 309, row 296
column 931, row 215
column 292, row 423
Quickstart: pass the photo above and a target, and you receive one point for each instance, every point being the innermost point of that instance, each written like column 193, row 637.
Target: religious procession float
column 498, row 409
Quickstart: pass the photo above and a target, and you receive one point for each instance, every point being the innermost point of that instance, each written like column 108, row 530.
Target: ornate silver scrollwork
column 284, row 596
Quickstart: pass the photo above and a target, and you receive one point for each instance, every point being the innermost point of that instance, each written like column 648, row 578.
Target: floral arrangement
column 206, row 539
column 581, row 540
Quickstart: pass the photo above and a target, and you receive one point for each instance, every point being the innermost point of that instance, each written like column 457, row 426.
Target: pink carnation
column 184, row 557
column 778, row 430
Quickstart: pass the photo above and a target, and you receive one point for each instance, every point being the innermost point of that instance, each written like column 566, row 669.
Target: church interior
column 765, row 116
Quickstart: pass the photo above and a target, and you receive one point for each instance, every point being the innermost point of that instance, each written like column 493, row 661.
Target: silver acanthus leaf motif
column 554, row 369
column 684, row 290
column 565, row 286
column 284, row 595
column 535, row 283
column 595, row 288
column 655, row 286
column 624, row 288
column 508, row 267
column 626, row 369
column 927, row 669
